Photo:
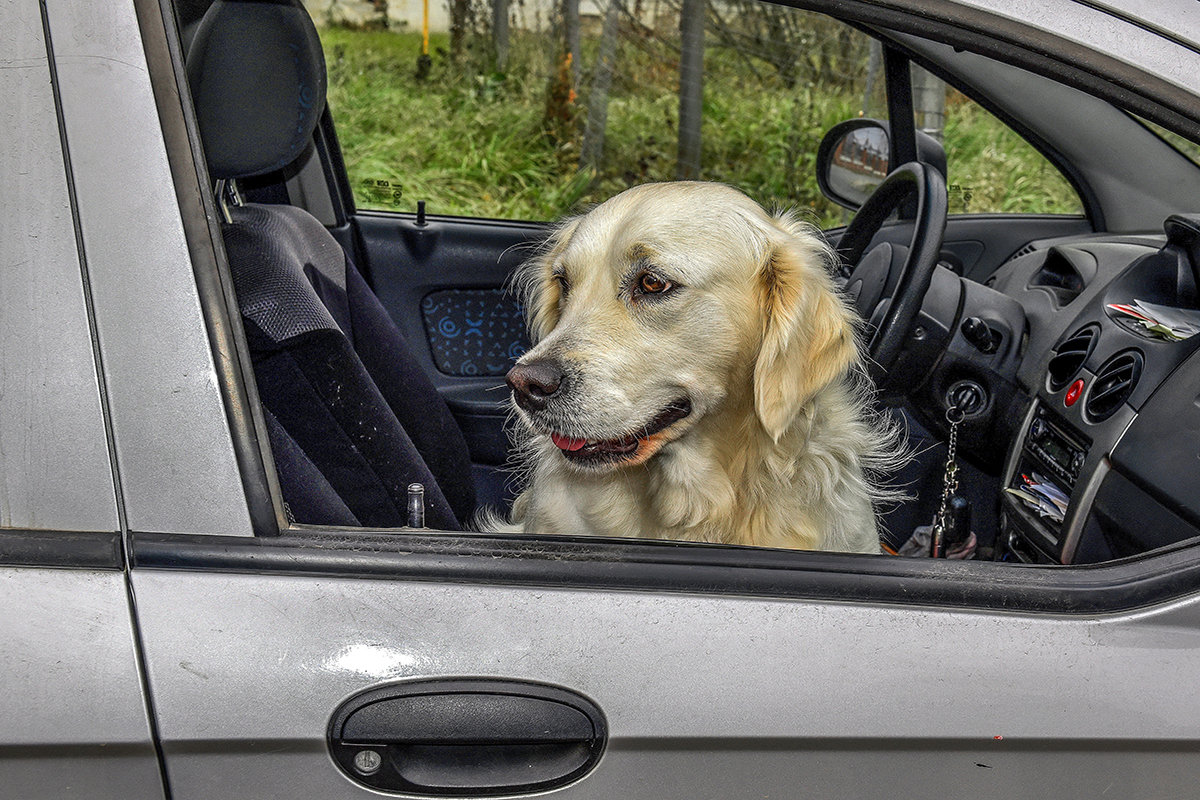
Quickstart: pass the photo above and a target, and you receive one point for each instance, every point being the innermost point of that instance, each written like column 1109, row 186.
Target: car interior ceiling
column 353, row 418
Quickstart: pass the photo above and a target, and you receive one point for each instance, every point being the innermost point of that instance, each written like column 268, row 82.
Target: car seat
column 352, row 419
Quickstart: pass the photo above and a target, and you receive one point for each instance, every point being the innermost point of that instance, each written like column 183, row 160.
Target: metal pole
column 425, row 27
column 691, row 88
column 424, row 62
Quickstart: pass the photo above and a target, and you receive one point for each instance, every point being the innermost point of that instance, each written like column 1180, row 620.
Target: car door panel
column 706, row 694
column 406, row 262
column 74, row 720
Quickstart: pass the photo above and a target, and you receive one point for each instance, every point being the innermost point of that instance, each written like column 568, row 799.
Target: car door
column 714, row 679
column 74, row 719
column 301, row 661
column 718, row 673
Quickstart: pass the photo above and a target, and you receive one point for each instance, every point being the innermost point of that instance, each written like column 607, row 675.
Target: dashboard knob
column 980, row 334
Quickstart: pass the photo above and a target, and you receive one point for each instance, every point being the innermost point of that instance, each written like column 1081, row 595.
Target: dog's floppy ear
column 540, row 293
column 808, row 332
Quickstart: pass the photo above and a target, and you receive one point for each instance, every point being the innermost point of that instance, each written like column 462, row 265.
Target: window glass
column 991, row 169
column 547, row 128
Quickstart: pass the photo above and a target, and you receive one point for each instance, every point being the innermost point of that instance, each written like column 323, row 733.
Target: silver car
column 214, row 585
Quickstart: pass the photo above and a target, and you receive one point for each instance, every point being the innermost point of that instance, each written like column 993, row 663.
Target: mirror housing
column 855, row 157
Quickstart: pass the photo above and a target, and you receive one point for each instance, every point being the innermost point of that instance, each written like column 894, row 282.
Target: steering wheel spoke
column 873, row 278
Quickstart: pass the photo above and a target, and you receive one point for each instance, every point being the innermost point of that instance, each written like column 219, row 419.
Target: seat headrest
column 257, row 76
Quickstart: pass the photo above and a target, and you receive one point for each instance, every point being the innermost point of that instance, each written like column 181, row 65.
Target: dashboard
column 1101, row 414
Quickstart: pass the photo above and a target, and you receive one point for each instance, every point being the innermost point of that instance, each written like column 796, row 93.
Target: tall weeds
column 472, row 142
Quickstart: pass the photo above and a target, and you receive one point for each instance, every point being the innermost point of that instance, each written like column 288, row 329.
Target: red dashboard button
column 1073, row 393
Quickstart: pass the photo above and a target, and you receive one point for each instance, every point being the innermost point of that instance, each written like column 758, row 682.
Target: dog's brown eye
column 650, row 283
column 563, row 286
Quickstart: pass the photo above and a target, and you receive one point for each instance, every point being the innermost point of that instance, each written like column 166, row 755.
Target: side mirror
column 854, row 158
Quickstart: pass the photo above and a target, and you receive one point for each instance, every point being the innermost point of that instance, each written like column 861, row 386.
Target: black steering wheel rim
column 924, row 249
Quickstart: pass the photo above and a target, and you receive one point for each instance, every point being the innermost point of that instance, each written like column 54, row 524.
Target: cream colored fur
column 780, row 441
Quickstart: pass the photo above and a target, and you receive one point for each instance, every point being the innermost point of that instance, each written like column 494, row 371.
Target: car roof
column 1173, row 19
column 1160, row 38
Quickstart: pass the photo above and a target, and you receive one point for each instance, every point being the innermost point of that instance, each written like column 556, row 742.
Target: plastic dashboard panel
column 1136, row 490
column 1125, row 520
column 1161, row 450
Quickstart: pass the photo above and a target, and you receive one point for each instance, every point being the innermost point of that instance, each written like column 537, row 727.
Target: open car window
column 523, row 131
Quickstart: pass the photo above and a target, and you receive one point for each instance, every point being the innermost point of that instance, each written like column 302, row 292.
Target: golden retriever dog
column 695, row 375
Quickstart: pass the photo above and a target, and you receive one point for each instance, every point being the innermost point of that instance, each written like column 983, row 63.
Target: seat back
column 350, row 413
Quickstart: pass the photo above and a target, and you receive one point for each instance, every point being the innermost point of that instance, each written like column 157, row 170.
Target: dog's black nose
column 535, row 383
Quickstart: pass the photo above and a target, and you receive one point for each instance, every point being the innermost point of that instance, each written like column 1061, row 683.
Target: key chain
column 937, row 538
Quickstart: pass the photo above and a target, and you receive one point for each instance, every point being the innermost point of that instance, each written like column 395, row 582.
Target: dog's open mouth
column 595, row 452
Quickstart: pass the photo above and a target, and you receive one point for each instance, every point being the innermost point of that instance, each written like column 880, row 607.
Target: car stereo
column 1041, row 485
column 1059, row 451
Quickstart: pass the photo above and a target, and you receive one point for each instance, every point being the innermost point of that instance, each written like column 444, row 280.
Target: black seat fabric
column 318, row 503
column 338, row 376
column 352, row 418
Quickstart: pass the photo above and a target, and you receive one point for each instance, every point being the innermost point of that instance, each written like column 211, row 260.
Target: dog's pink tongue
column 564, row 443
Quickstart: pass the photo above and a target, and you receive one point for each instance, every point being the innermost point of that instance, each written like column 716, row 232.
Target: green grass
column 468, row 147
column 473, row 143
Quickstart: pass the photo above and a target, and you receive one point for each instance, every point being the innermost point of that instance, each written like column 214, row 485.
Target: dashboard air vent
column 1070, row 355
column 1113, row 384
column 1064, row 273
column 1024, row 251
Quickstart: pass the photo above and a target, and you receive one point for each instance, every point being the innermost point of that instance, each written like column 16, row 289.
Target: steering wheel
column 877, row 286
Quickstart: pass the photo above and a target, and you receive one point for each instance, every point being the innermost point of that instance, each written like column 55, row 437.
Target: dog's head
column 666, row 304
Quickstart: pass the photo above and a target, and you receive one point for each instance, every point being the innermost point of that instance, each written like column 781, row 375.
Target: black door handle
column 467, row 737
